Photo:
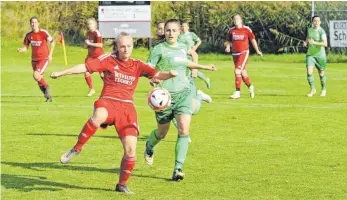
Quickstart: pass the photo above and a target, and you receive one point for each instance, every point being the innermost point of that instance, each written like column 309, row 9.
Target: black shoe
column 178, row 175
column 49, row 99
column 123, row 188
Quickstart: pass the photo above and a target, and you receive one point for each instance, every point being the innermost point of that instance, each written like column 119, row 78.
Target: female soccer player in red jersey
column 94, row 45
column 239, row 36
column 41, row 55
column 115, row 105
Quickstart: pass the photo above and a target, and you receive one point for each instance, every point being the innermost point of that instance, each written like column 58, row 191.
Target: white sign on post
column 125, row 13
column 338, row 33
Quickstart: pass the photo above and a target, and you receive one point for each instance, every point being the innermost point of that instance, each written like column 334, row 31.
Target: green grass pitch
column 279, row 145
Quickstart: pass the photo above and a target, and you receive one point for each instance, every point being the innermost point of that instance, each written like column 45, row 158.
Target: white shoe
column 205, row 97
column 323, row 93
column 236, row 95
column 251, row 91
column 313, row 91
column 189, row 139
column 66, row 157
column 91, row 92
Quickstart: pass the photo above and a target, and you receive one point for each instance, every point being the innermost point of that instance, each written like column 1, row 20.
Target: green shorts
column 181, row 103
column 318, row 61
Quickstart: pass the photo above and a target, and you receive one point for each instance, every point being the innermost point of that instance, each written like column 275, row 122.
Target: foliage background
column 210, row 20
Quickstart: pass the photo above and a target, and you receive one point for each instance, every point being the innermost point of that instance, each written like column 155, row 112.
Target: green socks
column 323, row 81
column 181, row 150
column 310, row 79
column 153, row 139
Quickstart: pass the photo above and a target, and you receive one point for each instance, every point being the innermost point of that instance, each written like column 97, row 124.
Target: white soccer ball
column 159, row 99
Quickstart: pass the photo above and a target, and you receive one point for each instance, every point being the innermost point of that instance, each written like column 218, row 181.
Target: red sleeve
column 229, row 36
column 251, row 36
column 26, row 41
column 98, row 39
column 98, row 64
column 146, row 70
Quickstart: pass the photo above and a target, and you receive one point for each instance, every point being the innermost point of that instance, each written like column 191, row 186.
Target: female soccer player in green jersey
column 166, row 56
column 317, row 41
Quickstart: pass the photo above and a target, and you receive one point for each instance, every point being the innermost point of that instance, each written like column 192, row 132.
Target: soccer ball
column 159, row 99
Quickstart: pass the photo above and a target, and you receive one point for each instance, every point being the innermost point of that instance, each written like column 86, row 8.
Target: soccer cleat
column 251, row 91
column 208, row 83
column 124, row 189
column 323, row 93
column 148, row 154
column 91, row 92
column 189, row 139
column 178, row 175
column 236, row 95
column 49, row 99
column 66, row 157
column 313, row 91
column 205, row 97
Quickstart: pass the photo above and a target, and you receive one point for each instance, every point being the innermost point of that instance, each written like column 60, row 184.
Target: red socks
column 238, row 81
column 246, row 80
column 89, row 81
column 42, row 83
column 126, row 168
column 88, row 131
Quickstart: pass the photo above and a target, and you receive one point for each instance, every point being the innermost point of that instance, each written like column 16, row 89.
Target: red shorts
column 241, row 59
column 120, row 114
column 39, row 65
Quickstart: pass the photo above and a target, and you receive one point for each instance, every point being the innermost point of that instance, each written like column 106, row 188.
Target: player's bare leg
column 154, row 138
column 89, row 129
column 310, row 79
column 128, row 161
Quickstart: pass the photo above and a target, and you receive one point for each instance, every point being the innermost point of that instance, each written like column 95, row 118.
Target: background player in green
column 317, row 41
column 193, row 42
column 160, row 37
column 166, row 56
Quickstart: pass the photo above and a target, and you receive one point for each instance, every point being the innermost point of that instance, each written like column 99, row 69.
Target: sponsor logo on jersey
column 35, row 43
column 123, row 79
column 238, row 37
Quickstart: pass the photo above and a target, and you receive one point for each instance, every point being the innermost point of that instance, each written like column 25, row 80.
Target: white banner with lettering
column 338, row 33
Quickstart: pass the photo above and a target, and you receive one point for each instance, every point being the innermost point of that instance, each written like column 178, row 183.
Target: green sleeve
column 154, row 56
column 195, row 37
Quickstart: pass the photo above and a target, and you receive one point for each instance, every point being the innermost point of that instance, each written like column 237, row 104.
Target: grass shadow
column 39, row 166
column 26, row 183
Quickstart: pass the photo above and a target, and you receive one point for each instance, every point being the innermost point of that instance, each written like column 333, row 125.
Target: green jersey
column 166, row 57
column 189, row 39
column 317, row 35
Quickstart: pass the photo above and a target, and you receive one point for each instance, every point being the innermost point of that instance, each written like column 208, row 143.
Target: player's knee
column 130, row 151
column 161, row 133
column 100, row 115
column 237, row 71
column 321, row 73
column 87, row 74
column 37, row 76
column 183, row 130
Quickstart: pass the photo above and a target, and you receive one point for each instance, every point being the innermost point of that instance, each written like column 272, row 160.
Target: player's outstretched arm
column 78, row 69
column 255, row 45
column 165, row 75
column 88, row 43
column 193, row 65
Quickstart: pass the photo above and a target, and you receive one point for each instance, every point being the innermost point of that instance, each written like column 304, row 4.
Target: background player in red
column 94, row 45
column 41, row 55
column 238, row 37
column 115, row 105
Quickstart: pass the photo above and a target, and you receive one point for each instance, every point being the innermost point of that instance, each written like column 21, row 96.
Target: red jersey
column 239, row 38
column 94, row 37
column 38, row 41
column 120, row 77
